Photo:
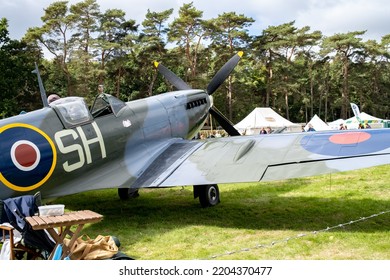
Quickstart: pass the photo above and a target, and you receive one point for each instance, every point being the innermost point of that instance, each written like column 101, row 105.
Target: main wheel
column 126, row 193
column 208, row 195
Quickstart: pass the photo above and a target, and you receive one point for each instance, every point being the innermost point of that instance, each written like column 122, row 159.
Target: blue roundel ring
column 348, row 143
column 28, row 157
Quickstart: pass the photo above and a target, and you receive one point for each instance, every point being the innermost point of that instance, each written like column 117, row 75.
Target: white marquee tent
column 264, row 117
column 336, row 124
column 318, row 124
column 353, row 123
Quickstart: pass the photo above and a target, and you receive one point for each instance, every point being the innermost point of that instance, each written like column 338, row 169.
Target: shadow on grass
column 159, row 211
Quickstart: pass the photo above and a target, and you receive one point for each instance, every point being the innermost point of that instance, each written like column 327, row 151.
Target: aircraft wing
column 266, row 157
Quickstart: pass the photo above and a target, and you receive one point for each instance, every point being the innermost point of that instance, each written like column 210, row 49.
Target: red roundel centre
column 349, row 137
column 25, row 155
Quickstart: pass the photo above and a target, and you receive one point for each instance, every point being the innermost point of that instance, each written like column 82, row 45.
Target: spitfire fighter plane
column 66, row 148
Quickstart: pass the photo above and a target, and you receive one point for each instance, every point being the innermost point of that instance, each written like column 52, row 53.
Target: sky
column 328, row 16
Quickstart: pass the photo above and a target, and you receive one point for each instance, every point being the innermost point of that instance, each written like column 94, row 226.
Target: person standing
column 263, row 131
column 311, row 128
column 100, row 89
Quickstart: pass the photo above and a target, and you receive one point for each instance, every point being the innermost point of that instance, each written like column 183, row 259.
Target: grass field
column 275, row 220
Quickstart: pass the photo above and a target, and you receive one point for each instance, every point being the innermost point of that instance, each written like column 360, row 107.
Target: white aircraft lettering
column 69, row 149
column 86, row 142
column 83, row 151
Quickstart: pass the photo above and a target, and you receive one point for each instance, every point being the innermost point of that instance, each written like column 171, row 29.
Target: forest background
column 294, row 70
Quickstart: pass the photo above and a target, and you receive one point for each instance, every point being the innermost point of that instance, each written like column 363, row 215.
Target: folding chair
column 31, row 244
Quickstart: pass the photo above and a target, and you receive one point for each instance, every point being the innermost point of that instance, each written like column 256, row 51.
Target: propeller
column 214, row 84
column 223, row 73
column 175, row 80
column 224, row 122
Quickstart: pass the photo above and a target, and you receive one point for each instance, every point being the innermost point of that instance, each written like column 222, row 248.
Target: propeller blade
column 224, row 122
column 223, row 73
column 175, row 80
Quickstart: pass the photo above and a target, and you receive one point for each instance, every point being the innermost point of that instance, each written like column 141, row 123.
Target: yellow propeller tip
column 155, row 64
column 240, row 53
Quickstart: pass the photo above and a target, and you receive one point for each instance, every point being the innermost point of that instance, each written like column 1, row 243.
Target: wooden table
column 64, row 223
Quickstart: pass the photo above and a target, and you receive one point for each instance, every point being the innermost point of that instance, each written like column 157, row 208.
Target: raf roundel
column 351, row 143
column 28, row 157
column 25, row 155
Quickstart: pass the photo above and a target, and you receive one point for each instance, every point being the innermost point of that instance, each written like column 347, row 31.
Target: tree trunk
column 286, row 103
column 118, row 82
column 311, row 91
column 151, row 85
column 345, row 94
column 229, row 98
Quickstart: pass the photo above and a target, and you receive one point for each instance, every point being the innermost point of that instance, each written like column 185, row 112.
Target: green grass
column 169, row 224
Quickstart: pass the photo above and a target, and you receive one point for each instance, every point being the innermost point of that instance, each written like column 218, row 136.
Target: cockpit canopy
column 106, row 104
column 72, row 111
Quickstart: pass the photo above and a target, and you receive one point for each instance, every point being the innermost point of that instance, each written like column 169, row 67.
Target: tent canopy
column 336, row 124
column 353, row 123
column 364, row 117
column 264, row 117
column 318, row 124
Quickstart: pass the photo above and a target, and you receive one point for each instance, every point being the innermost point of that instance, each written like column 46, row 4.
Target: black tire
column 126, row 193
column 209, row 195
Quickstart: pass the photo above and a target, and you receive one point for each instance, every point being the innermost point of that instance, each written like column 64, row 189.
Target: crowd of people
column 341, row 127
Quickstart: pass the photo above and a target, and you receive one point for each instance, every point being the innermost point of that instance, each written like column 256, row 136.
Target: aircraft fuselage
column 46, row 150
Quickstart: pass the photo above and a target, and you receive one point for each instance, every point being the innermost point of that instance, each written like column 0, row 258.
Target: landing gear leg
column 126, row 193
column 208, row 195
